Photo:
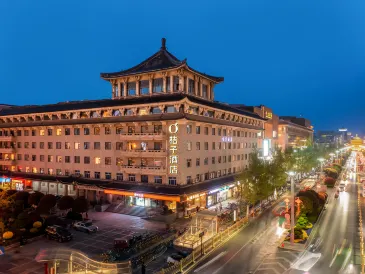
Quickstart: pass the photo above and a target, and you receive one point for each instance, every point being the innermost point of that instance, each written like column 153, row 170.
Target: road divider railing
column 206, row 248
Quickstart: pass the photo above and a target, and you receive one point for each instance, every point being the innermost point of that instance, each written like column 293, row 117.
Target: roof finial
column 163, row 43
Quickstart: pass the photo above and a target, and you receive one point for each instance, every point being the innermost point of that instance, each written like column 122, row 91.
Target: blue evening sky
column 300, row 57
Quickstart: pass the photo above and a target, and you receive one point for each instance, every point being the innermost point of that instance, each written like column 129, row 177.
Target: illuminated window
column 108, row 161
column 77, row 145
column 97, row 160
column 41, row 132
column 96, row 131
column 59, row 159
column 59, row 132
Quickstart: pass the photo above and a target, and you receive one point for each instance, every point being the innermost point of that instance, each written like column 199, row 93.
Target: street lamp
column 291, row 175
column 321, row 160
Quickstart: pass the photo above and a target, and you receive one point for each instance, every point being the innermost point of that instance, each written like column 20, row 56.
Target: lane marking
column 210, row 262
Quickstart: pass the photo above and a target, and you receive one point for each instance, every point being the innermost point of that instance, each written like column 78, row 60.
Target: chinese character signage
column 173, row 142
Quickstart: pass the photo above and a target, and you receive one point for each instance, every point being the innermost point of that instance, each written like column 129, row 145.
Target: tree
column 22, row 196
column 22, row 220
column 80, row 205
column 35, row 198
column 307, row 205
column 66, row 202
column 46, row 203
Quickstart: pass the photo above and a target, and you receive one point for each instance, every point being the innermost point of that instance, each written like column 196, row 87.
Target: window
column 119, row 130
column 18, row 133
column 156, row 110
column 58, row 132
column 171, row 109
column 77, row 159
column 213, row 160
column 189, row 180
column 224, row 132
column 67, row 172
column 67, row 159
column 157, row 85
column 213, row 145
column 157, row 145
column 41, row 132
column 26, row 157
column 86, row 131
column 58, row 145
column 96, row 130
column 172, row 181
column 197, row 145
column 197, row 162
column 224, row 159
column 96, row 145
column 77, row 172
column 41, row 158
column 108, row 131
column 34, row 145
column 108, row 176
column 76, row 131
column 144, row 178
column 87, row 174
column 219, row 131
column 86, row 145
column 50, row 158
column 188, row 146
column 157, row 128
column 19, row 157
column 77, row 145
column 229, row 158
column 108, row 145
column 86, row 160
column 132, row 177
column 26, row 145
column 119, row 161
column 144, row 87
column 49, row 132
column 119, row 146
column 158, row 179
column 189, row 129
column 34, row 158
column 206, row 161
column 26, row 132
column 144, row 129
column 67, row 131
column 97, row 175
column 206, row 130
column 206, row 145
column 131, row 88
column 58, row 159
column 188, row 162
column 191, row 87
column 197, row 129
column 33, row 132
column 108, row 161
column 168, row 81
column 205, row 91
column 67, row 145
column 97, row 160
column 50, row 145
column 19, row 145
column 119, row 177
column 176, row 83
column 50, row 171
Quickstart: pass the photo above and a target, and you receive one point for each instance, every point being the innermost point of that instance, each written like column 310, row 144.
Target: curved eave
column 215, row 79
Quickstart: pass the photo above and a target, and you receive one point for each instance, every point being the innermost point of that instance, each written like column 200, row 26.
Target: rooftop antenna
column 163, row 43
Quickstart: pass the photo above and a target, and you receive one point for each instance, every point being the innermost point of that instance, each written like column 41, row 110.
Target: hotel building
column 294, row 132
column 160, row 139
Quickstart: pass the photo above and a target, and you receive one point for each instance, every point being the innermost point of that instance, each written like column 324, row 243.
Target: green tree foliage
column 22, row 196
column 22, row 220
column 307, row 205
column 35, row 198
column 46, row 203
column 66, row 202
column 80, row 205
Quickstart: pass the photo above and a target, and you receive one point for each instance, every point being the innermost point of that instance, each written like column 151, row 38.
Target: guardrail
column 204, row 250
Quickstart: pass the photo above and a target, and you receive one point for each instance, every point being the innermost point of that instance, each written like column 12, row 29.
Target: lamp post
column 291, row 175
column 321, row 160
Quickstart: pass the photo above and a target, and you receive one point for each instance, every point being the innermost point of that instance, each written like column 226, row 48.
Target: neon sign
column 173, row 141
column 226, row 139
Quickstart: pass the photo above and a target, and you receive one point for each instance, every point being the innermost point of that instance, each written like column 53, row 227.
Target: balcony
column 7, row 138
column 153, row 170
column 145, row 153
column 142, row 136
column 7, row 162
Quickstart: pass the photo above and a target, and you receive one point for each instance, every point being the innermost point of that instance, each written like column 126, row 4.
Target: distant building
column 329, row 138
column 294, row 132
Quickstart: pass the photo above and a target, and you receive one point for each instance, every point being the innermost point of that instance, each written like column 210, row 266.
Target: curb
column 15, row 245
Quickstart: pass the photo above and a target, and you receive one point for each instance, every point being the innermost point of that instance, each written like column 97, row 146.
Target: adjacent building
column 294, row 132
column 160, row 140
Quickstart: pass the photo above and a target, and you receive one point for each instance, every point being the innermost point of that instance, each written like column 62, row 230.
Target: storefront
column 5, row 183
column 221, row 194
column 18, row 184
column 195, row 200
column 142, row 199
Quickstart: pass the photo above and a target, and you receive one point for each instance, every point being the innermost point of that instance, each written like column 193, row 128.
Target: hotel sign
column 173, row 142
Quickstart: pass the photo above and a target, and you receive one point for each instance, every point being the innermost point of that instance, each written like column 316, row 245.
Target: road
column 254, row 249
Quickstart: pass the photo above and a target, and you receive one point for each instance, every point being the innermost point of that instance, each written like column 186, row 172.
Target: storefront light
column 214, row 191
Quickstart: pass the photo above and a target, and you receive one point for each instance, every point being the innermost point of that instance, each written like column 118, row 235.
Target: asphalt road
column 254, row 249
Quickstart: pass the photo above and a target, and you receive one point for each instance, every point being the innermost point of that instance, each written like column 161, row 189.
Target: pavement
column 111, row 226
column 255, row 249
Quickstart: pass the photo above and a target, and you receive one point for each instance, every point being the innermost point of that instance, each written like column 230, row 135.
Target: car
column 58, row 233
column 87, row 227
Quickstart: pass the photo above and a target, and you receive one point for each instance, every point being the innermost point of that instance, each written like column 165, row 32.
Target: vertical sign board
column 173, row 143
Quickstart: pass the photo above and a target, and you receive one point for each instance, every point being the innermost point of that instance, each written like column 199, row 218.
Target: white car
column 87, row 227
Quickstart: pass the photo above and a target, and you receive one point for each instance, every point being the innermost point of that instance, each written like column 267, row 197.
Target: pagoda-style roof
column 161, row 60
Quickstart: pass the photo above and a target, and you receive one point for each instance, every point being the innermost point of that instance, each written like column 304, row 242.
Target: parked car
column 58, row 233
column 87, row 227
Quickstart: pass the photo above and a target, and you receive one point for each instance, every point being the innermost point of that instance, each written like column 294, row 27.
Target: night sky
column 299, row 57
